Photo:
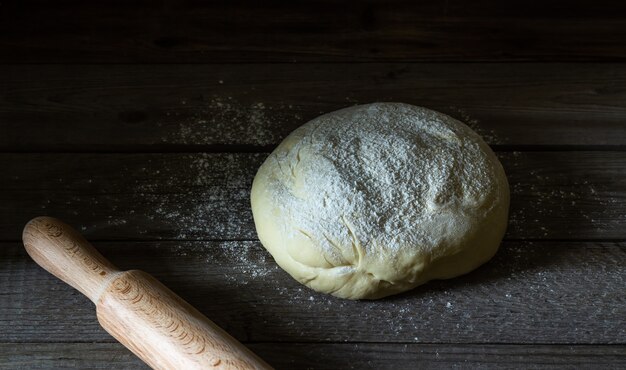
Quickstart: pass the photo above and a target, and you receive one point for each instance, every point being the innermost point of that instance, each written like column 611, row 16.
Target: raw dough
column 376, row 199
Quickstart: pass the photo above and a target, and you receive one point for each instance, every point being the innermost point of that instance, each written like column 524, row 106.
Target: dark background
column 143, row 123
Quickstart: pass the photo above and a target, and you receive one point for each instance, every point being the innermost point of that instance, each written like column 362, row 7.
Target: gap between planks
column 167, row 108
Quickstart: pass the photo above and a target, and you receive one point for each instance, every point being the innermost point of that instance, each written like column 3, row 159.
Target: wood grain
column 555, row 195
column 252, row 107
column 165, row 331
column 64, row 253
column 107, row 112
column 245, row 31
column 313, row 356
column 531, row 293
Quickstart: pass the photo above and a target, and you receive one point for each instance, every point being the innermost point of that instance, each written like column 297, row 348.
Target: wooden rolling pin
column 149, row 319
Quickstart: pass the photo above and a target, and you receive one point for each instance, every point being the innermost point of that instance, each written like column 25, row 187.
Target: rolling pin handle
column 63, row 252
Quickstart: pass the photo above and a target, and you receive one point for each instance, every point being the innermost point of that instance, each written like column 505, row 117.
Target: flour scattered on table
column 226, row 120
column 248, row 259
column 200, row 196
column 491, row 137
column 207, row 209
column 558, row 196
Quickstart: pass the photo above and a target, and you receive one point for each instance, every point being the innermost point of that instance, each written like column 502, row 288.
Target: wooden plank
column 555, row 195
column 226, row 107
column 244, row 31
column 335, row 356
column 102, row 356
column 533, row 293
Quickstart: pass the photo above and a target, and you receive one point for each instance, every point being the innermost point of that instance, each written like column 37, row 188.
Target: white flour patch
column 247, row 260
column 394, row 168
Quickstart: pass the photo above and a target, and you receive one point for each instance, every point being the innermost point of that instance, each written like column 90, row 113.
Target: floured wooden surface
column 554, row 195
column 154, row 162
column 531, row 292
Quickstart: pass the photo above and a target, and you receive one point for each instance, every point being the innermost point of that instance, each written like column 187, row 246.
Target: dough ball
column 376, row 199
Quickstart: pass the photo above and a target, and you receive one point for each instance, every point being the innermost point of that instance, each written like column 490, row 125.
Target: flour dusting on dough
column 369, row 196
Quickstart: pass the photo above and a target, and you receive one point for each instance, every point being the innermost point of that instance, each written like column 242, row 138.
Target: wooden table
column 143, row 125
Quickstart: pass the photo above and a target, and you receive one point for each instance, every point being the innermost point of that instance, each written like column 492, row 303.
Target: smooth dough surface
column 376, row 199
